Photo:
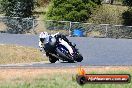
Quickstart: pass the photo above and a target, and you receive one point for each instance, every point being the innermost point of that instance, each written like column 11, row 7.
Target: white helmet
column 43, row 35
column 53, row 41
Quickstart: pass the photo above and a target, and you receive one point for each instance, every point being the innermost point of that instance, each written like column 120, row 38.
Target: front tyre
column 52, row 59
column 70, row 61
column 79, row 58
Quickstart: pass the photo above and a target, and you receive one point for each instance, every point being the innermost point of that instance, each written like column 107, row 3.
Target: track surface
column 96, row 51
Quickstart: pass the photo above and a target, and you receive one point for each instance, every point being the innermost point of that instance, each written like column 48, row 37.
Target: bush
column 19, row 25
column 71, row 10
column 43, row 2
column 127, row 2
column 107, row 14
column 127, row 16
column 97, row 1
column 18, row 8
column 21, row 9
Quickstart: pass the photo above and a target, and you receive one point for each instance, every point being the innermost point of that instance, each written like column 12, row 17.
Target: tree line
column 71, row 10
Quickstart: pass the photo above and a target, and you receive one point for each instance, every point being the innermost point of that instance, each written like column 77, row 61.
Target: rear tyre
column 79, row 58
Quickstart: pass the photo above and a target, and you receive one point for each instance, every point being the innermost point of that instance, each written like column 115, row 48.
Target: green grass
column 56, row 81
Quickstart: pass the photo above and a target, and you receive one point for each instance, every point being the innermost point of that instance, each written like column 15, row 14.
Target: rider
column 42, row 37
column 47, row 41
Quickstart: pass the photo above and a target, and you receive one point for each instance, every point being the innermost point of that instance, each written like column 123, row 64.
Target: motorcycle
column 63, row 50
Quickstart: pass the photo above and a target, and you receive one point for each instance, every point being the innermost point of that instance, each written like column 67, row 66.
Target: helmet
column 43, row 35
column 53, row 41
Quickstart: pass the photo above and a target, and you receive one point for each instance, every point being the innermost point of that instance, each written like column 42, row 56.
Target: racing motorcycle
column 63, row 50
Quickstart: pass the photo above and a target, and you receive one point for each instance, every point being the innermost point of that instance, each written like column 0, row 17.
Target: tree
column 42, row 2
column 19, row 9
column 98, row 2
column 127, row 15
column 72, row 10
column 111, row 2
column 127, row 2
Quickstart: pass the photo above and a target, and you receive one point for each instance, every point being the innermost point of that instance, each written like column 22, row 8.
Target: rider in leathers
column 48, row 42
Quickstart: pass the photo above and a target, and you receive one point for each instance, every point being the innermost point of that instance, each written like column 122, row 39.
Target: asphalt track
column 96, row 51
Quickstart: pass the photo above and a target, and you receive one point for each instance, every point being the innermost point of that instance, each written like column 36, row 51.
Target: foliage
column 3, row 5
column 107, row 14
column 97, row 1
column 127, row 16
column 127, row 2
column 71, row 10
column 18, row 25
column 43, row 2
column 17, row 8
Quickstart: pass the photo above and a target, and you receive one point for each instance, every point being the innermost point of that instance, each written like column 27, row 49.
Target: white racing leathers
column 41, row 44
column 45, row 38
column 42, row 37
column 66, row 45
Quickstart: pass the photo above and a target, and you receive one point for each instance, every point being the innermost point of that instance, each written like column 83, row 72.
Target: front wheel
column 52, row 59
column 70, row 61
column 79, row 58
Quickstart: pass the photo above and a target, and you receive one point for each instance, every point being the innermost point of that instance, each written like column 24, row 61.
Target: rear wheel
column 79, row 58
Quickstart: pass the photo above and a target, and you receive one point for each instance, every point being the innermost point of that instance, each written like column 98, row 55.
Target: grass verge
column 10, row 54
column 56, row 78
